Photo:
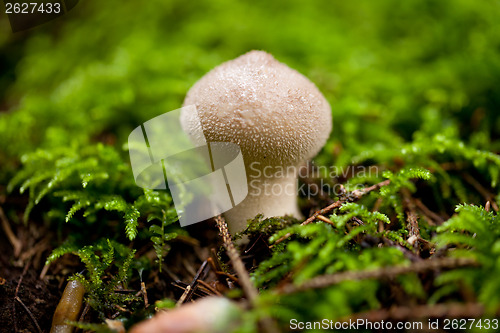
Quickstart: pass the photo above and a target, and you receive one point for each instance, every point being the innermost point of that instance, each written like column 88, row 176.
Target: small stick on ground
column 29, row 313
column 357, row 221
column 244, row 278
column 431, row 216
column 239, row 267
column 25, row 270
column 215, row 260
column 144, row 293
column 184, row 296
column 327, row 280
column 209, row 288
column 16, row 243
column 413, row 227
column 188, row 266
column 188, row 292
column 324, row 219
column 484, row 192
column 410, row 255
column 353, row 196
column 122, row 309
column 44, row 271
column 199, row 292
column 84, row 312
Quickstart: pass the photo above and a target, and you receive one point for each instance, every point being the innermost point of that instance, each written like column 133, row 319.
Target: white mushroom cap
column 275, row 114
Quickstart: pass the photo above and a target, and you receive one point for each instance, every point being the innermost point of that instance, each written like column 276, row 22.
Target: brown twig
column 84, row 312
column 411, row 218
column 144, row 293
column 239, row 267
column 406, row 252
column 357, row 221
column 122, row 309
column 255, row 242
column 188, row 292
column 214, row 262
column 244, row 278
column 324, row 281
column 431, row 216
column 353, row 196
column 25, row 270
column 324, row 219
column 188, row 240
column 209, row 288
column 44, row 271
column 228, row 276
column 484, row 192
column 29, row 313
column 16, row 243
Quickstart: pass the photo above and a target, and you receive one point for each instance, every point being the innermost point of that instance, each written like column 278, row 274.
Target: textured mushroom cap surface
column 274, row 113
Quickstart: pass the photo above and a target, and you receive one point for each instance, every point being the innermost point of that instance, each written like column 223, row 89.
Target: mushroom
column 278, row 118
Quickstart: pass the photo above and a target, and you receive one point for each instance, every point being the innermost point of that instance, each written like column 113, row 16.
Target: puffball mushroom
column 278, row 118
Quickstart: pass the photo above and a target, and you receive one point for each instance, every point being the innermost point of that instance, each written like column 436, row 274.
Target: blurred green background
column 389, row 68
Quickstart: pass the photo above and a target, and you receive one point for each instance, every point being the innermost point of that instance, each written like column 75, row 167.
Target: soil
column 39, row 296
column 31, row 307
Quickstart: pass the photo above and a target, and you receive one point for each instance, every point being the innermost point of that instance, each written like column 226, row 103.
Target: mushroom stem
column 269, row 196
